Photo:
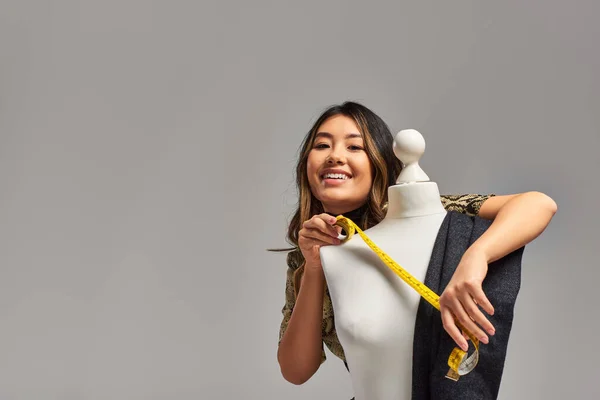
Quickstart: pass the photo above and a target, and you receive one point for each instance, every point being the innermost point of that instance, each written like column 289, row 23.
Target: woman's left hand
column 461, row 298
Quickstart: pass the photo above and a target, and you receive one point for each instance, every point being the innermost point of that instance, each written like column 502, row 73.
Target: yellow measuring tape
column 458, row 361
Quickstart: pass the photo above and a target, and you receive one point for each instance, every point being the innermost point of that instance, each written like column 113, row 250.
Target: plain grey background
column 147, row 151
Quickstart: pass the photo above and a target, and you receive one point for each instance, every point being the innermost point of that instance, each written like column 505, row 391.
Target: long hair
column 378, row 141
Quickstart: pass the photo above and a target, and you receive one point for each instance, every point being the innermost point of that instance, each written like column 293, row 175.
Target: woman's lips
column 335, row 182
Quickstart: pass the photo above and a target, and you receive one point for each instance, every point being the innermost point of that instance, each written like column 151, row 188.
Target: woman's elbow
column 296, row 380
column 545, row 202
column 293, row 371
column 292, row 375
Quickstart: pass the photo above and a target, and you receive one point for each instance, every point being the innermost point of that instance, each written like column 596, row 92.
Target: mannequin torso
column 374, row 309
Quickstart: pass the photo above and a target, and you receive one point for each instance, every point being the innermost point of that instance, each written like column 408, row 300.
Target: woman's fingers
column 452, row 329
column 470, row 306
column 323, row 223
column 468, row 322
column 319, row 228
column 462, row 311
column 481, row 299
column 320, row 236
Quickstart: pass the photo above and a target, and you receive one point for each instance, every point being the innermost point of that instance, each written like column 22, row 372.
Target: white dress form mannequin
column 374, row 309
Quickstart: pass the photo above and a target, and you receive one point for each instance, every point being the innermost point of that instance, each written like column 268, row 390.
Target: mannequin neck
column 414, row 200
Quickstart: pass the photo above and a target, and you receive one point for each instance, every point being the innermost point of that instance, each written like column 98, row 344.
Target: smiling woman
column 345, row 166
column 353, row 139
column 338, row 168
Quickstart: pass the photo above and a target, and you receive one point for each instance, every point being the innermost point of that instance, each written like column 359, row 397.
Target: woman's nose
column 336, row 157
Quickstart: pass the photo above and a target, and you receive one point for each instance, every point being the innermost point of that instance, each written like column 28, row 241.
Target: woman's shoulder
column 468, row 203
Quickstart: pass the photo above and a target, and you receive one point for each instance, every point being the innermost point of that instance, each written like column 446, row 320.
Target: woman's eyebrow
column 330, row 136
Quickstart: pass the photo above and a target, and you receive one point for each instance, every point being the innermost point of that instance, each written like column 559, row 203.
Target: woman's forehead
column 339, row 124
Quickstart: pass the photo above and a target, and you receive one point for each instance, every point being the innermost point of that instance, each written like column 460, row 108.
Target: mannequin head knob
column 409, row 147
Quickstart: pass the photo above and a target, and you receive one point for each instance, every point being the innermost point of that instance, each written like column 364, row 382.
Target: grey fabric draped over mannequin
column 432, row 344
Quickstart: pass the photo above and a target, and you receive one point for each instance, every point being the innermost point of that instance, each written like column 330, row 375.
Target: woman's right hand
column 316, row 232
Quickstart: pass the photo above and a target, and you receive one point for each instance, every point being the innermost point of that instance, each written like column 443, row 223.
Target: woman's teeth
column 335, row 176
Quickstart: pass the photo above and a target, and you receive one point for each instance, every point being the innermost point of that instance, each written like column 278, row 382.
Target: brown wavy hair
column 378, row 142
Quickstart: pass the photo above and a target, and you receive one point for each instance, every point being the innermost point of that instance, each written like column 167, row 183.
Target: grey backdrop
column 146, row 163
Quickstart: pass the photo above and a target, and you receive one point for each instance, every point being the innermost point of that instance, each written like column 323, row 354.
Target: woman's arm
column 300, row 351
column 517, row 220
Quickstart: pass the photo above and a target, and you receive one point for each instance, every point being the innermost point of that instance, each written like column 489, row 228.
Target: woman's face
column 339, row 171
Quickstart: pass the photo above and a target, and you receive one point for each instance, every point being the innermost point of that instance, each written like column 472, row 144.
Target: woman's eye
column 325, row 145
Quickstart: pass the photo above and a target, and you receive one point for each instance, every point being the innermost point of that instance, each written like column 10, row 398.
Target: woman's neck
column 353, row 214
